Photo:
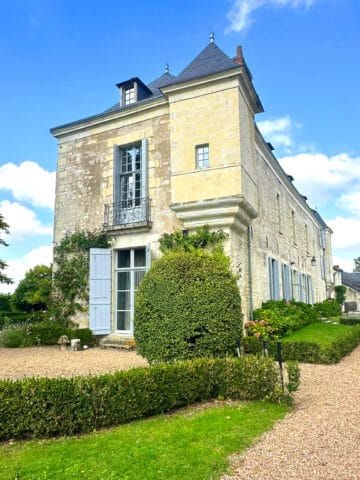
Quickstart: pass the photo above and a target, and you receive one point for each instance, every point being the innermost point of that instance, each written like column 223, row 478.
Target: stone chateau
column 177, row 153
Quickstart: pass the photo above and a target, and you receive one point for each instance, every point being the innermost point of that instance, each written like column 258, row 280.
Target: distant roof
column 165, row 79
column 210, row 60
column 351, row 280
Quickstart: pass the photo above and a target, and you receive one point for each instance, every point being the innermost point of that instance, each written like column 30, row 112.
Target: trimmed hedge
column 309, row 352
column 328, row 308
column 350, row 320
column 43, row 407
column 43, row 333
column 187, row 306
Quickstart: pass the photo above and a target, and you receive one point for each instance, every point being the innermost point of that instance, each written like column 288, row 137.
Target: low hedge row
column 42, row 333
column 309, row 352
column 42, row 407
column 14, row 318
column 350, row 320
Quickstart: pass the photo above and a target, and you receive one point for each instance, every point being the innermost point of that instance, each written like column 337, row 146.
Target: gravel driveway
column 319, row 440
column 17, row 363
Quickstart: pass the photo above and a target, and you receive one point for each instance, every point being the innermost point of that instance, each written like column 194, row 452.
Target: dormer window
column 132, row 91
column 128, row 94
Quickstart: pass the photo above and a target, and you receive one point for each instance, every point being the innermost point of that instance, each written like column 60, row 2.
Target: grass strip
column 193, row 444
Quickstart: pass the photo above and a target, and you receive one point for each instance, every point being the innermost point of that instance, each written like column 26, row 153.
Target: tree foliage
column 188, row 242
column 340, row 293
column 4, row 227
column 188, row 305
column 34, row 291
column 357, row 264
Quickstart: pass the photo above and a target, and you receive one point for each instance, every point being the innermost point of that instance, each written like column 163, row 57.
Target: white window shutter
column 100, row 291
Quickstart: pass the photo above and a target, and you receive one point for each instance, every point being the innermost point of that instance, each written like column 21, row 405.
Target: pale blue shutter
column 116, row 173
column 148, row 256
column 301, row 298
column 276, row 280
column 100, row 291
column 286, row 282
column 310, row 287
column 271, row 279
column 144, row 169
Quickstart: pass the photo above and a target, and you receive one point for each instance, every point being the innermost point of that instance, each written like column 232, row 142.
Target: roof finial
column 167, row 68
column 212, row 37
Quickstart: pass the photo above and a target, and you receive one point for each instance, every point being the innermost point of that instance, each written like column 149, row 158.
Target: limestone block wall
column 85, row 172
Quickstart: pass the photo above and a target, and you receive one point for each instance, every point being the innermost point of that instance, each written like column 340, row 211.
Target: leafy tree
column 340, row 293
column 5, row 302
column 33, row 292
column 357, row 264
column 5, row 228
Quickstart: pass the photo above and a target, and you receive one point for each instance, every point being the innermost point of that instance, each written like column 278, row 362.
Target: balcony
column 132, row 213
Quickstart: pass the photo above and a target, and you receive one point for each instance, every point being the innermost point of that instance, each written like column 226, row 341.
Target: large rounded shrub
column 188, row 305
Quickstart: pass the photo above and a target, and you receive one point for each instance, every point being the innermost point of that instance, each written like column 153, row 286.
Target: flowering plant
column 258, row 328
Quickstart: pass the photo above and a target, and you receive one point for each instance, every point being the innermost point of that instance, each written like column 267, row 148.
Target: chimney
column 239, row 59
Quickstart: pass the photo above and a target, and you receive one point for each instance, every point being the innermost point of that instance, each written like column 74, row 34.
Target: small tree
column 357, row 264
column 33, row 292
column 5, row 228
column 340, row 293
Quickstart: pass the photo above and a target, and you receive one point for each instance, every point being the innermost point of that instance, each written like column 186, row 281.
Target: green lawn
column 324, row 334
column 192, row 444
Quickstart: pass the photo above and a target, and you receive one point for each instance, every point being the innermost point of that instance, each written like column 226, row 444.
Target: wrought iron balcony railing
column 127, row 213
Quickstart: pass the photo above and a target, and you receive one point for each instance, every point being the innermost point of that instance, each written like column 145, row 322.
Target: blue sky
column 61, row 60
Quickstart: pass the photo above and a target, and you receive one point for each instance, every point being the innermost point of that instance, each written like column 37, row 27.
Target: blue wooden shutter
column 271, row 279
column 301, row 291
column 144, row 169
column 116, row 173
column 100, row 291
column 286, row 282
column 276, row 280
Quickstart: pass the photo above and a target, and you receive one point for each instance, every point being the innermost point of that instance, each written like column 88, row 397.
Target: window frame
column 202, row 158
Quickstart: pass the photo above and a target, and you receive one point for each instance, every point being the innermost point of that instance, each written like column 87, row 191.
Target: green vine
column 71, row 275
column 202, row 238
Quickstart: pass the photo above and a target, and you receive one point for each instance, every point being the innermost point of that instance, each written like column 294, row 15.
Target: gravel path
column 17, row 363
column 320, row 439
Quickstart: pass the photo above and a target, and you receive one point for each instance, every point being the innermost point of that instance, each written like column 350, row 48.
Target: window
column 130, row 270
column 128, row 95
column 307, row 238
column 130, row 176
column 202, row 156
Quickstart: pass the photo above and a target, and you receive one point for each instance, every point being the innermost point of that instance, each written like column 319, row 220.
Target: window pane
column 123, row 259
column 138, row 276
column 139, row 257
column 123, row 281
column 123, row 320
column 123, row 300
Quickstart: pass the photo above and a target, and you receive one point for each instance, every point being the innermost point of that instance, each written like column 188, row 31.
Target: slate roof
column 210, row 60
column 351, row 280
column 320, row 219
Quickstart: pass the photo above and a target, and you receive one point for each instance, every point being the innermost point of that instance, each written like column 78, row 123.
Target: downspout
column 251, row 307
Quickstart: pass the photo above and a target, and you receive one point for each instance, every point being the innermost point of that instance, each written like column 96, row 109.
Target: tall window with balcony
column 131, row 204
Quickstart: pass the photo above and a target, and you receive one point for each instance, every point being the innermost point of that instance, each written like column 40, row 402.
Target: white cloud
column 321, row 177
column 17, row 268
column 22, row 221
column 240, row 14
column 346, row 234
column 29, row 182
column 345, row 264
column 350, row 202
column 277, row 131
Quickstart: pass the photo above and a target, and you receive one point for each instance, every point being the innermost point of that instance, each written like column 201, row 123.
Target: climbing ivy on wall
column 201, row 238
column 71, row 273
